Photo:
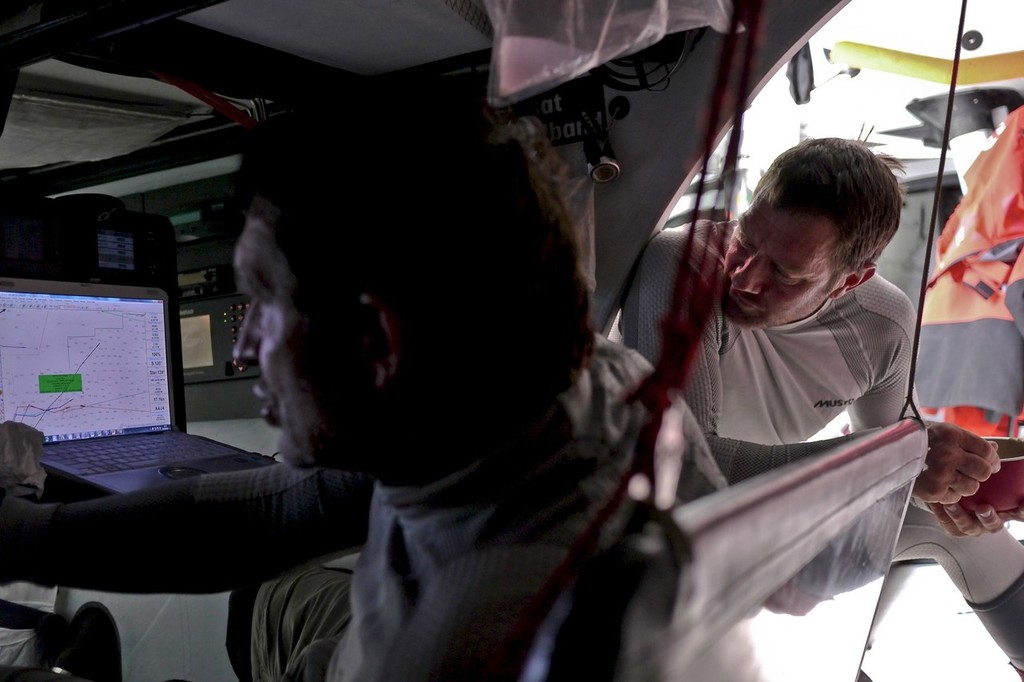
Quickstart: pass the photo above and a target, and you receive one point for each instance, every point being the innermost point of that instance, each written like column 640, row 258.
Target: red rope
column 219, row 103
column 693, row 300
column 699, row 284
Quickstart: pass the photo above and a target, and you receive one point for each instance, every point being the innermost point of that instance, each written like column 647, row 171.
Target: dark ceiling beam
column 8, row 81
column 64, row 23
column 228, row 66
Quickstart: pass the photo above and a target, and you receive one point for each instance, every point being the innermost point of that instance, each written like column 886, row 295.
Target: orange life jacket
column 971, row 360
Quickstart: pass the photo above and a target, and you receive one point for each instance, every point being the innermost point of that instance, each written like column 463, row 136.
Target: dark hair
column 449, row 211
column 844, row 181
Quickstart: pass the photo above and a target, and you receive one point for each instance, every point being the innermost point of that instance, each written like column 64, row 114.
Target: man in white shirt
column 805, row 330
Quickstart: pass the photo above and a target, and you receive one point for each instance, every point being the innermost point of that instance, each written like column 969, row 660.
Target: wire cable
column 934, row 215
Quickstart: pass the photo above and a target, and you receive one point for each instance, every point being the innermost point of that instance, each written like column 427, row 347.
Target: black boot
column 51, row 638
column 94, row 649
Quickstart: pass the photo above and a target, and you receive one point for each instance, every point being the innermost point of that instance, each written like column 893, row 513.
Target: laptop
column 89, row 366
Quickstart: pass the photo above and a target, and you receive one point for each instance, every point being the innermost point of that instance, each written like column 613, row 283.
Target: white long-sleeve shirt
column 784, row 383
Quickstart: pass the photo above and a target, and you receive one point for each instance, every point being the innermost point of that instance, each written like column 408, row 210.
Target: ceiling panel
column 366, row 37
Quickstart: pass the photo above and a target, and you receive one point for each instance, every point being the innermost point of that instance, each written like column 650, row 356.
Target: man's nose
column 751, row 275
column 245, row 351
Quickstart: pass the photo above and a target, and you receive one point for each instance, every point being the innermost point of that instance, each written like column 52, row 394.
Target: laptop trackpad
column 136, row 479
column 179, row 471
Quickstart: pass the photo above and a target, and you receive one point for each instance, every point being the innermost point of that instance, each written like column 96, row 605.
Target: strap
column 14, row 616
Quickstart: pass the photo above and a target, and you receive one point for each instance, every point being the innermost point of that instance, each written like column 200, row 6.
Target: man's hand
column 959, row 522
column 956, row 464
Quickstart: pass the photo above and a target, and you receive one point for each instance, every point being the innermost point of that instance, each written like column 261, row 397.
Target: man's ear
column 854, row 279
column 381, row 339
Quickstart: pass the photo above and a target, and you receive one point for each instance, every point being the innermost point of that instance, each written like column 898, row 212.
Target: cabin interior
column 147, row 103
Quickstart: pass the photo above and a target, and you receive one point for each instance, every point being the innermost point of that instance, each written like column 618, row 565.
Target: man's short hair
column 844, row 181
column 451, row 213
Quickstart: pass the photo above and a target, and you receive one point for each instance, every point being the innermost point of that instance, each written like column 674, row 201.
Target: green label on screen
column 60, row 383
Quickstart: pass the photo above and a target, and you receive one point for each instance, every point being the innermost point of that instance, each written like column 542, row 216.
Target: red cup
column 1004, row 490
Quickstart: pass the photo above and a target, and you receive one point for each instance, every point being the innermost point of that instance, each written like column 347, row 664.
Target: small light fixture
column 601, row 163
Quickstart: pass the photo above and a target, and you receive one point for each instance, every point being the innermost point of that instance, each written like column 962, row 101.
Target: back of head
column 453, row 216
column 844, row 181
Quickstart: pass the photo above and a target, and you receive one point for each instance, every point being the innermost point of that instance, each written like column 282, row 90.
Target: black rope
column 934, row 216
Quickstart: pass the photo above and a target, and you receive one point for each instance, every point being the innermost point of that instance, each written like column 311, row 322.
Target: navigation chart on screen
column 78, row 366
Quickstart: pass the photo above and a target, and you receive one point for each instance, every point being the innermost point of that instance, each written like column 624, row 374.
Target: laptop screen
column 83, row 360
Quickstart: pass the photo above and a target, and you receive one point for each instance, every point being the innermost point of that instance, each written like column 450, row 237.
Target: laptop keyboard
column 100, row 456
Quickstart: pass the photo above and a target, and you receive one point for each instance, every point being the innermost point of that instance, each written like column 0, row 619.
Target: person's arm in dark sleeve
column 204, row 534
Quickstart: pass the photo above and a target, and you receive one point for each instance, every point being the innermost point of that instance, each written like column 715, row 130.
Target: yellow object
column 995, row 67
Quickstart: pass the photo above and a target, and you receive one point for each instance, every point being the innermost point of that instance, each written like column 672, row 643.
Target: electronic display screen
column 196, row 342
column 115, row 249
column 23, row 240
